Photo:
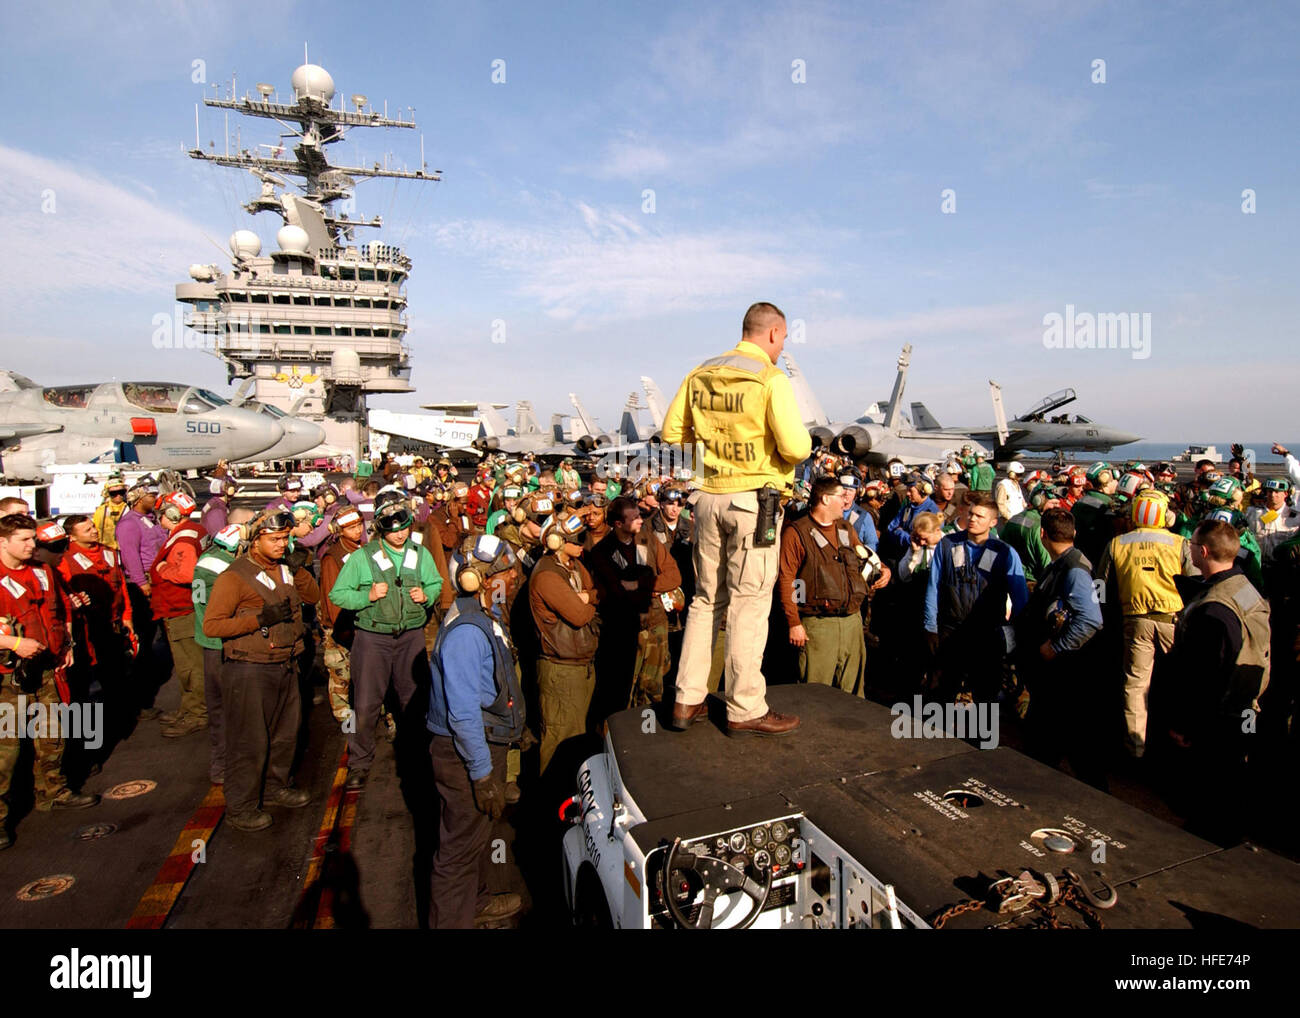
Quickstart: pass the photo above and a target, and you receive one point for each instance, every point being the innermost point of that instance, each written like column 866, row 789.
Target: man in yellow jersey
column 738, row 412
column 1138, row 569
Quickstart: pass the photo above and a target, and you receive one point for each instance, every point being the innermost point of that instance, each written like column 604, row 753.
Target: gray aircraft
column 882, row 433
column 1036, row 430
column 299, row 435
column 582, row 437
column 159, row 425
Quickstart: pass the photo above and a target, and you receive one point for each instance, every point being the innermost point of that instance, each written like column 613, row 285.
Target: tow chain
column 1011, row 894
column 953, row 911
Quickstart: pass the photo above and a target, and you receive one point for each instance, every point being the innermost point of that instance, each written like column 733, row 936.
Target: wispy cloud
column 600, row 263
column 73, row 232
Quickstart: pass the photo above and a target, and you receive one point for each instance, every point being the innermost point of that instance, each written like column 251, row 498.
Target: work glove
column 490, row 796
column 273, row 614
column 298, row 558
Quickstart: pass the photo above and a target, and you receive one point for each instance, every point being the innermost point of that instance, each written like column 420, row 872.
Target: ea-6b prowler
column 160, row 425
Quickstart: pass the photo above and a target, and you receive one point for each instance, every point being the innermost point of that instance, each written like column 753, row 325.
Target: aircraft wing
column 463, row 408
column 446, row 432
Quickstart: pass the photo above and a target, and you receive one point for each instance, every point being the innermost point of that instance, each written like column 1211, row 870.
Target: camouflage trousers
column 652, row 664
column 50, row 782
column 338, row 666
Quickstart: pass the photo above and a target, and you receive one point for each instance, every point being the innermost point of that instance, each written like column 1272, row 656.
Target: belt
column 395, row 633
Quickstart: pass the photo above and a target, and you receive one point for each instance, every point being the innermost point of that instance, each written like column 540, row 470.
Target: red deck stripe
column 156, row 905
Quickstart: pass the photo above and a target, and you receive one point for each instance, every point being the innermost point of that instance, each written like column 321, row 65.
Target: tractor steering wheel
column 720, row 877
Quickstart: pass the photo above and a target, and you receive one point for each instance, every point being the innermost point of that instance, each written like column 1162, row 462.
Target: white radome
column 311, row 81
column 292, row 239
column 245, row 244
column 202, row 273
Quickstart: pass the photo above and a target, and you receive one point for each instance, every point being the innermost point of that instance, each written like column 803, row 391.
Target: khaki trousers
column 564, row 691
column 187, row 665
column 1141, row 637
column 835, row 654
column 733, row 581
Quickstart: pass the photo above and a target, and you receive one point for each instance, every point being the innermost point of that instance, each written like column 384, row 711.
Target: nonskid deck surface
column 938, row 818
column 232, row 879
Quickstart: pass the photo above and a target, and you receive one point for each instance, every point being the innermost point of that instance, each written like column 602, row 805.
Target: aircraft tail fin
column 629, row 427
column 494, row 425
column 896, row 397
column 525, row 419
column 588, row 425
column 999, row 414
column 810, row 409
column 557, row 429
column 922, row 418
column 654, row 401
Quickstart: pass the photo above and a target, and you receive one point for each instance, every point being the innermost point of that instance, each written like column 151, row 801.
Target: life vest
column 211, row 564
column 571, row 643
column 831, row 573
column 1251, row 673
column 1035, row 625
column 395, row 612
column 503, row 719
column 30, row 596
column 105, row 520
column 1146, row 561
column 280, row 641
column 97, row 573
column 168, row 599
column 1092, row 522
column 967, row 572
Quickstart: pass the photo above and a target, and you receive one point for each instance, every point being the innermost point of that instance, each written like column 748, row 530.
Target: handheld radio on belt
column 769, row 505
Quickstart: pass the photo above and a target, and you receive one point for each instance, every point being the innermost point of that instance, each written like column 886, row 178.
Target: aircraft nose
column 311, row 435
column 1124, row 438
column 266, row 432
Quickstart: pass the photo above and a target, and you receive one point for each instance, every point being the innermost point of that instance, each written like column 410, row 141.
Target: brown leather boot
column 770, row 723
column 686, row 714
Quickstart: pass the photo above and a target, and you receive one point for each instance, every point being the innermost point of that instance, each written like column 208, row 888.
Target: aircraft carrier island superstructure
column 320, row 322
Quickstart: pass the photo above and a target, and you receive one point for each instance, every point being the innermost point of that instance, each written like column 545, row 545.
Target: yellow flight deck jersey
column 738, row 410
column 1146, row 560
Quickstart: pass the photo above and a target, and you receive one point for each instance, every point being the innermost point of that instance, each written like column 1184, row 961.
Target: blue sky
column 822, row 196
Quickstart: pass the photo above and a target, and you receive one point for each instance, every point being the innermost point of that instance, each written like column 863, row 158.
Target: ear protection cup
column 469, row 579
column 518, row 515
column 925, row 487
column 554, row 540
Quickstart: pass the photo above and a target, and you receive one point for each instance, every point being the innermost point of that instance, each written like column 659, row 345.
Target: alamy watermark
column 33, row 719
column 1083, row 330
column 934, row 720
column 75, row 971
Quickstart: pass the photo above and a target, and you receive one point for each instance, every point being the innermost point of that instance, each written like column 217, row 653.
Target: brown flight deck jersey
column 331, row 564
column 241, row 592
column 564, row 622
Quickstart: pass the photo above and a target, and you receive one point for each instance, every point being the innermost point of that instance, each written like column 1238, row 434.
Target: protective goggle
column 393, row 519
column 274, row 522
column 674, row 496
column 1277, row 484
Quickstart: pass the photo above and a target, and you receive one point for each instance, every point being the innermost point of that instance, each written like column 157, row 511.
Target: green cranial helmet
column 1223, row 491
